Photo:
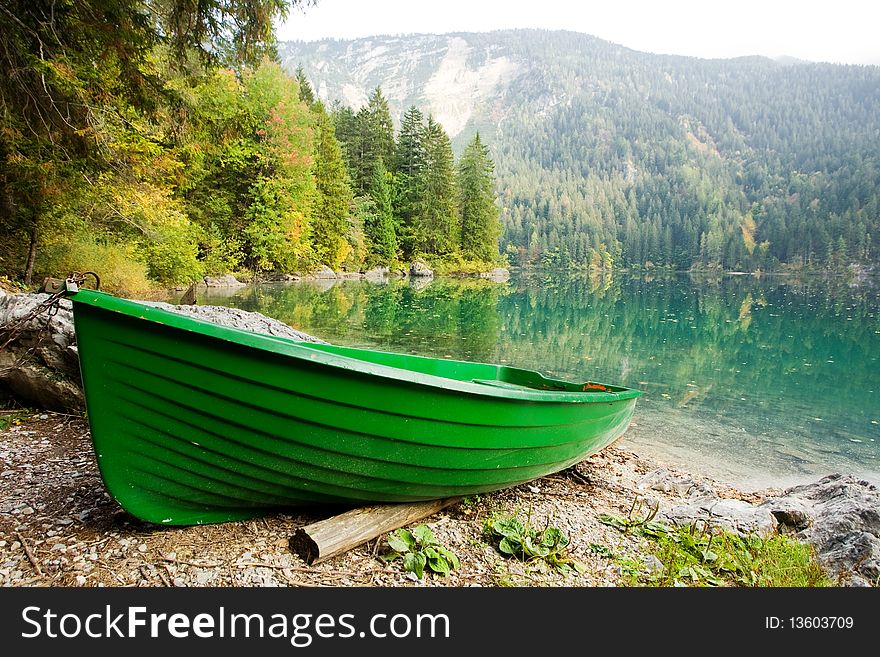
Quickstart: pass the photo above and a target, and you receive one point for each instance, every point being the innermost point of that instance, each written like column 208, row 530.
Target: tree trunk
column 32, row 256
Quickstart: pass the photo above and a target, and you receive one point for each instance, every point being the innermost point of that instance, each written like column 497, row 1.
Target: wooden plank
column 327, row 538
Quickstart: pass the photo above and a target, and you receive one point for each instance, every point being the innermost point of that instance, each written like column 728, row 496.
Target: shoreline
column 56, row 516
column 716, row 449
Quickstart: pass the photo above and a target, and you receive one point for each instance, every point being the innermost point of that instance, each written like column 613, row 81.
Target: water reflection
column 763, row 381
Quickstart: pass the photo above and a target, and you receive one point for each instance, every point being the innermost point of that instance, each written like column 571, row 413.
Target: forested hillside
column 159, row 142
column 606, row 153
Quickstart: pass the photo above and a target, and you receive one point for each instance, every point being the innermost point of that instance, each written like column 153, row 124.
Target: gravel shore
column 59, row 527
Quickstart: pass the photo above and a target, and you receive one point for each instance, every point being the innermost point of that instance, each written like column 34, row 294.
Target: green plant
column 471, row 500
column 420, row 549
column 16, row 417
column 518, row 539
column 707, row 556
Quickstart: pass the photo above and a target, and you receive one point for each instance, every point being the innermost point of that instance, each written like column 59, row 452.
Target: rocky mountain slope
column 662, row 158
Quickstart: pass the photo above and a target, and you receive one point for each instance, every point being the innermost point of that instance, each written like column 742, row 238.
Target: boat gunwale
column 303, row 351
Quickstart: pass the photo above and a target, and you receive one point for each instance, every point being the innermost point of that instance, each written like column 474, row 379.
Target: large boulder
column 40, row 365
column 419, row 269
column 840, row 517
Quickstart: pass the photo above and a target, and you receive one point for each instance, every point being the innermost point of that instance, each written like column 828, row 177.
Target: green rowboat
column 193, row 422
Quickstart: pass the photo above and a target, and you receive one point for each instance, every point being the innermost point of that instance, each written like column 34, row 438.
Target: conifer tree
column 381, row 128
column 477, row 211
column 346, row 124
column 436, row 226
column 374, row 139
column 306, row 93
column 408, row 168
column 379, row 225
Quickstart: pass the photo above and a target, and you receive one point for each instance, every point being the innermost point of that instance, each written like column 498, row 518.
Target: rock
column 377, row 273
column 792, row 514
column 498, row 274
column 853, row 558
column 41, row 364
column 733, row 515
column 840, row 517
column 653, row 566
column 663, row 480
column 223, row 281
column 282, row 278
column 419, row 269
column 203, row 577
column 323, row 272
column 39, row 385
column 350, row 275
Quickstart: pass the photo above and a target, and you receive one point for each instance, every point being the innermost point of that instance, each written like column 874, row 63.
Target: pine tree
column 436, row 229
column 478, row 214
column 306, row 93
column 409, row 167
column 381, row 126
column 379, row 225
column 347, row 135
column 330, row 216
column 373, row 139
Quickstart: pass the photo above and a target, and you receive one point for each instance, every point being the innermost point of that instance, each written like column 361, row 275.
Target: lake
column 758, row 382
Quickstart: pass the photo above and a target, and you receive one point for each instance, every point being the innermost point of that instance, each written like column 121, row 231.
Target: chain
column 50, row 307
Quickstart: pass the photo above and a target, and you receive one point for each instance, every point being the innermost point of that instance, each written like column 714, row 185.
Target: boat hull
column 192, row 423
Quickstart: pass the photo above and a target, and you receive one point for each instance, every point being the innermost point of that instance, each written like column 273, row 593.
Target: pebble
column 80, row 580
column 142, row 548
column 204, row 577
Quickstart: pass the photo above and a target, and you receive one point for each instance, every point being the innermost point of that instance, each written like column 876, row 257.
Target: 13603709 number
column 821, row 622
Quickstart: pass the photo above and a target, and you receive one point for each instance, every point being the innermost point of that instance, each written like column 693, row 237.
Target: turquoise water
column 755, row 381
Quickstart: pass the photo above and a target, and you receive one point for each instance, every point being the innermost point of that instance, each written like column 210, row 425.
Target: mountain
column 668, row 160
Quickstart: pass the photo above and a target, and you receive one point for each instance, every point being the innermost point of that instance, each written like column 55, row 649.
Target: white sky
column 840, row 31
